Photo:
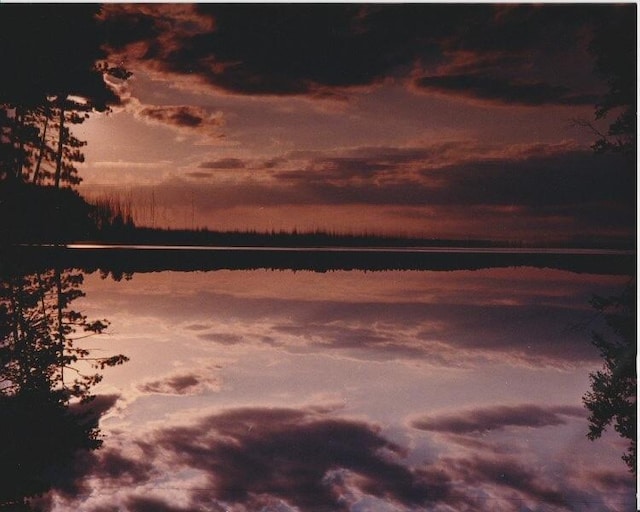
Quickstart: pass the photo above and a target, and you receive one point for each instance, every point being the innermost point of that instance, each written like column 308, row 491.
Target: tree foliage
column 40, row 337
column 46, row 377
column 612, row 398
column 54, row 68
column 614, row 48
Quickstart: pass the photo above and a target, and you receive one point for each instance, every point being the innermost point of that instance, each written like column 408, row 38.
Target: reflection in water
column 46, row 377
column 345, row 391
column 612, row 398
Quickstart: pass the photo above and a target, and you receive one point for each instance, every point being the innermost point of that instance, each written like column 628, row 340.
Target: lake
column 315, row 380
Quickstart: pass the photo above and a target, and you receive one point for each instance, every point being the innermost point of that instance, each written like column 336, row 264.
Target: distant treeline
column 253, row 238
column 127, row 233
column 36, row 214
column 122, row 261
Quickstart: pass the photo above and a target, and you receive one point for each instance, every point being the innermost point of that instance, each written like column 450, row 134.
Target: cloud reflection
column 309, row 459
column 498, row 417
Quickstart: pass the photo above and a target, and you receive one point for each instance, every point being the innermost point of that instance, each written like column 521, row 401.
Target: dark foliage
column 614, row 48
column 30, row 214
column 612, row 398
column 44, row 398
column 40, row 437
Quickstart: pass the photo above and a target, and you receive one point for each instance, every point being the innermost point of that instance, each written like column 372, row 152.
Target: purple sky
column 348, row 391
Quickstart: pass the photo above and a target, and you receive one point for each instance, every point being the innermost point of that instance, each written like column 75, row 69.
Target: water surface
column 396, row 390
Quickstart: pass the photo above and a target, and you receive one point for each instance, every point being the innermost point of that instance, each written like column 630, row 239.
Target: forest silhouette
column 46, row 380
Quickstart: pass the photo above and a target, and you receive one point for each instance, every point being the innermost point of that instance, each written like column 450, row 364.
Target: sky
column 438, row 120
column 398, row 391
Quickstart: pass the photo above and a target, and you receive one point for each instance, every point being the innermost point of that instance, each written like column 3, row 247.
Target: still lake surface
column 366, row 381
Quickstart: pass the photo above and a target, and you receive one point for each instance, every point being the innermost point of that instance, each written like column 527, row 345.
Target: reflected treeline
column 613, row 394
column 46, row 378
column 126, row 260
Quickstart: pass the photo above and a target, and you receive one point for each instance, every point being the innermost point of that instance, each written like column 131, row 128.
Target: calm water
column 282, row 390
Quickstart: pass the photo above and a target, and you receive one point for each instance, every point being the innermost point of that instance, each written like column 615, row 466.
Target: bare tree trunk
column 43, row 144
column 60, row 333
column 18, row 133
column 61, row 102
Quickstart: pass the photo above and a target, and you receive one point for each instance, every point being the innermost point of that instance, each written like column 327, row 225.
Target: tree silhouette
column 614, row 49
column 41, row 334
column 45, row 394
column 612, row 398
column 54, row 68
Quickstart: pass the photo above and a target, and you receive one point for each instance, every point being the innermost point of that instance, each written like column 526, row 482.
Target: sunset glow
column 427, row 120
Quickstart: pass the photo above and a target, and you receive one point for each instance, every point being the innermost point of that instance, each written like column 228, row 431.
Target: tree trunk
column 19, row 134
column 43, row 144
column 60, row 333
column 61, row 102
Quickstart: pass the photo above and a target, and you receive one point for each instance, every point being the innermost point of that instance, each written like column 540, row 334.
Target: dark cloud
column 539, row 180
column 319, row 49
column 180, row 383
column 563, row 181
column 257, row 458
column 550, row 177
column 498, row 90
column 106, row 464
column 197, row 327
column 497, row 418
column 300, row 457
column 223, row 338
column 507, row 472
column 223, row 163
column 181, row 116
column 152, row 504
column 176, row 385
column 556, row 189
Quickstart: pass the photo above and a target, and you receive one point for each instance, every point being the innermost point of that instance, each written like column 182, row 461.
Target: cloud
column 301, row 457
column 531, row 176
column 223, row 338
column 453, row 173
column 443, row 334
column 267, row 49
column 499, row 417
column 256, row 458
column 527, row 191
column 180, row 383
column 507, row 472
column 223, row 163
column 188, row 118
column 485, row 87
column 153, row 504
column 506, row 326
column 323, row 50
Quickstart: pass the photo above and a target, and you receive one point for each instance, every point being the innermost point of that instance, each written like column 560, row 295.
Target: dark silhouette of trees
column 54, row 73
column 612, row 398
column 46, row 377
column 40, row 334
column 614, row 49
